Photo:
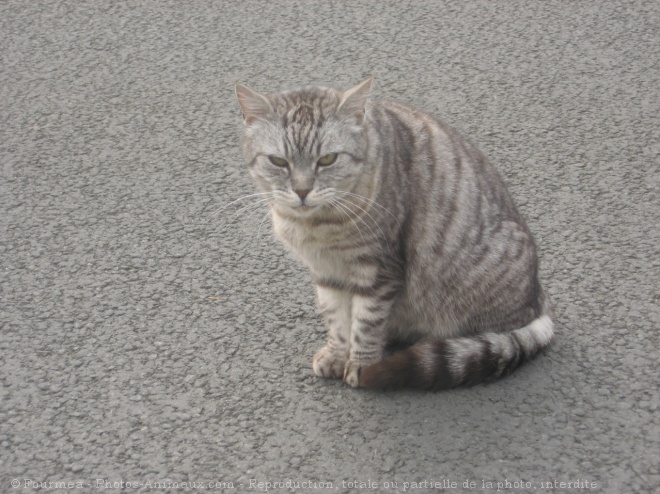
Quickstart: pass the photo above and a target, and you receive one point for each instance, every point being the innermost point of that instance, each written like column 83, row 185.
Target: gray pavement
column 148, row 335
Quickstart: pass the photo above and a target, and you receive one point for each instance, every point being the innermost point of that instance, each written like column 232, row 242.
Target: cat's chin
column 305, row 210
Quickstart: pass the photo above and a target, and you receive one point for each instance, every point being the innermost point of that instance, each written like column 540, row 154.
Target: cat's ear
column 253, row 105
column 354, row 100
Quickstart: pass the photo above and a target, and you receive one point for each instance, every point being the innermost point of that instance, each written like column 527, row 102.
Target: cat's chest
column 328, row 251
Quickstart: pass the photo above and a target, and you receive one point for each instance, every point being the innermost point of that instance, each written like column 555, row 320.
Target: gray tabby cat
column 409, row 233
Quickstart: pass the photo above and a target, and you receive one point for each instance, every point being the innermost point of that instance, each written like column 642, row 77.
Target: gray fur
column 409, row 235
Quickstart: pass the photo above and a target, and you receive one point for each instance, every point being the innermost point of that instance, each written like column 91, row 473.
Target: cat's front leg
column 335, row 307
column 369, row 315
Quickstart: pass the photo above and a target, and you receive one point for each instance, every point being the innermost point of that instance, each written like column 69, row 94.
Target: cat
column 410, row 235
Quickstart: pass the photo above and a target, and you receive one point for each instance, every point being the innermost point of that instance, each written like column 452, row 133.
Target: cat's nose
column 302, row 193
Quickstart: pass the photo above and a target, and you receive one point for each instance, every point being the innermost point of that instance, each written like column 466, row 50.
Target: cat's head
column 306, row 148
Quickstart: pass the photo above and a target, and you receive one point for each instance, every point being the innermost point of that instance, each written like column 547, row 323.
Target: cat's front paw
column 329, row 363
column 352, row 371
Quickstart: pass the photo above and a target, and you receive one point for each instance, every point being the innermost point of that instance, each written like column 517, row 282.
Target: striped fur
column 410, row 234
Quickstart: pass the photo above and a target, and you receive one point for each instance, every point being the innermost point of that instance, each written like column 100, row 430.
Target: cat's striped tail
column 459, row 361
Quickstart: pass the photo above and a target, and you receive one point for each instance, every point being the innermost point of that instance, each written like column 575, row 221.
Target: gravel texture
column 152, row 332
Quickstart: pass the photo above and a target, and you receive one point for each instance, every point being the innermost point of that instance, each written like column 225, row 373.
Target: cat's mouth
column 304, row 209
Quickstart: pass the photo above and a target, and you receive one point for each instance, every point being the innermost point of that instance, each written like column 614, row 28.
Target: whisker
column 268, row 213
column 372, row 202
column 363, row 221
column 342, row 209
column 365, row 212
column 214, row 215
column 255, row 210
column 254, row 205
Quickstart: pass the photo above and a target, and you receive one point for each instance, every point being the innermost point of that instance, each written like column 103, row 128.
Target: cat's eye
column 328, row 159
column 277, row 161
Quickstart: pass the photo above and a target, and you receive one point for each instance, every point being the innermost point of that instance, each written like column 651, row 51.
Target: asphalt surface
column 150, row 336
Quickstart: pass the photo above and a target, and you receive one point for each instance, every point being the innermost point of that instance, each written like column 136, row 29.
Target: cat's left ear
column 354, row 100
column 253, row 104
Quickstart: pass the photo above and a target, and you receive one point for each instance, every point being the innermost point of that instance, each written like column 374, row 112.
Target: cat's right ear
column 253, row 105
column 354, row 100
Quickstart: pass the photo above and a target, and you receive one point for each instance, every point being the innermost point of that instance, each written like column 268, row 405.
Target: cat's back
column 406, row 126
column 396, row 117
column 435, row 168
column 429, row 137
column 460, row 222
